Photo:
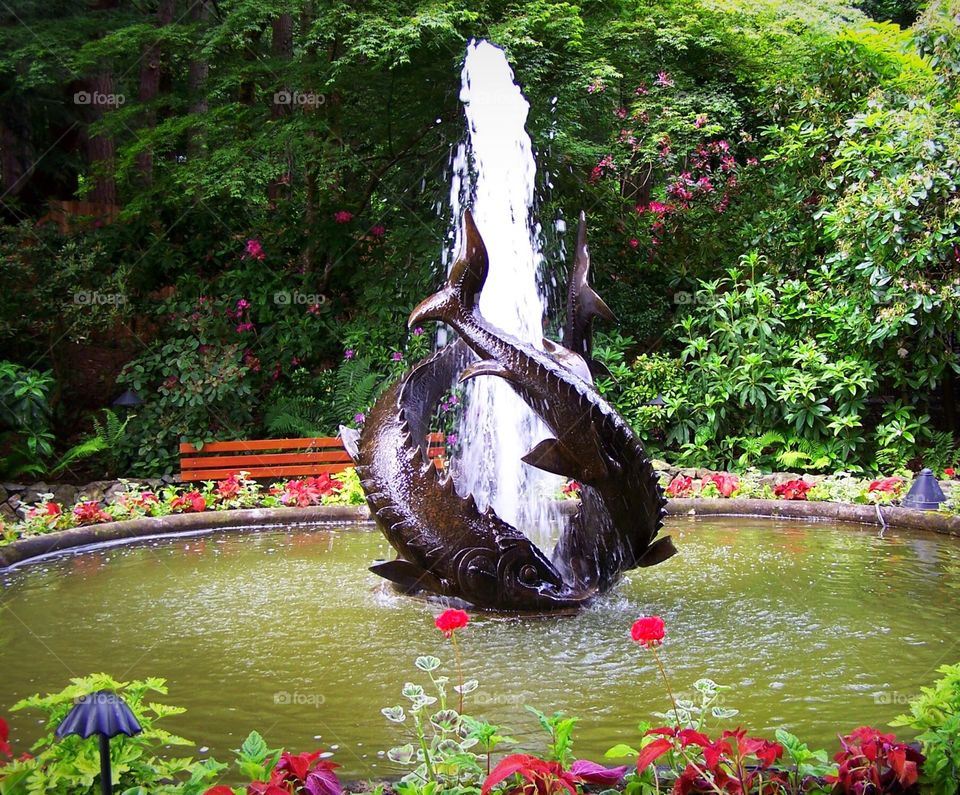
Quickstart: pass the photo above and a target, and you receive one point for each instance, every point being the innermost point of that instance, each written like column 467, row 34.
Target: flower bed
column 695, row 748
column 137, row 501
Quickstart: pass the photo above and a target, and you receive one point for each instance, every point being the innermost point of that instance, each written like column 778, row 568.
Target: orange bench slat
column 264, row 459
column 253, row 445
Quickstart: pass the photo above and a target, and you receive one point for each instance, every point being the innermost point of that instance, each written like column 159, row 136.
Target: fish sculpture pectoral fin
column 409, row 576
column 660, row 550
column 351, row 442
column 551, row 456
column 486, row 367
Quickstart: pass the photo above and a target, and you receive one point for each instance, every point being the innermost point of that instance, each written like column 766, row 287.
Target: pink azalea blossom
column 255, row 250
column 343, row 216
column 378, row 231
column 663, row 79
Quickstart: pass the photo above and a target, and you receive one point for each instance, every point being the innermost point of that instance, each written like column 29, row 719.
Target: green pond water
column 818, row 629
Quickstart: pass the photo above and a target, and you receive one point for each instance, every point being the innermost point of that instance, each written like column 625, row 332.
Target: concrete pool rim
column 146, row 528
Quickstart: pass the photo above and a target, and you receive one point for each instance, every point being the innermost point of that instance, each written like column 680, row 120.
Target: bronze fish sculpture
column 445, row 544
column 621, row 500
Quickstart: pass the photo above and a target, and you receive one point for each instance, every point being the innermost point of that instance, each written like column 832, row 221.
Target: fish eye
column 528, row 574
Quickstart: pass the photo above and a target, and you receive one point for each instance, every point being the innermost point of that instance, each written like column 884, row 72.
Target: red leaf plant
column 871, row 763
column 540, row 777
column 191, row 502
column 892, row 485
column 90, row 513
column 792, row 490
column 726, row 483
column 4, row 738
column 296, row 773
column 309, row 491
column 735, row 763
column 680, row 486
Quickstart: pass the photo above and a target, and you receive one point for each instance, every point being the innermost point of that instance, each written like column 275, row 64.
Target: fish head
column 527, row 580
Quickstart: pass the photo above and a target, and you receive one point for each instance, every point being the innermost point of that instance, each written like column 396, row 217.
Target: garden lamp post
column 105, row 714
column 658, row 401
column 925, row 494
column 128, row 400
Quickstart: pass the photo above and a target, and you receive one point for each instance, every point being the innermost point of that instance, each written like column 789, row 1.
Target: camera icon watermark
column 286, row 698
column 98, row 99
column 888, row 697
column 298, row 98
column 96, row 298
column 296, row 298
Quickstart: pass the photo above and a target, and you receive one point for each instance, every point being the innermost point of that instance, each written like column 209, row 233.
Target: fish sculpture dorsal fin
column 409, row 576
column 583, row 303
column 571, row 360
column 464, row 284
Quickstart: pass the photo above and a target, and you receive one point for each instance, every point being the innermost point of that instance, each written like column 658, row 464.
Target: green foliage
column 935, row 715
column 25, row 419
column 71, row 765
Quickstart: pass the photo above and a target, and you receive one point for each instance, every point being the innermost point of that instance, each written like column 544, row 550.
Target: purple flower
column 243, row 304
column 445, row 407
column 451, row 438
column 348, row 353
column 397, row 356
column 453, row 400
column 359, row 418
column 418, row 332
column 663, row 79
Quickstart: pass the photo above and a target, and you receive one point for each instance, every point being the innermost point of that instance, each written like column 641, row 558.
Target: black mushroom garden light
column 925, row 494
column 105, row 714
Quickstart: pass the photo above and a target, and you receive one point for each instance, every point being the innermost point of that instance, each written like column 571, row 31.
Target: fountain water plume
column 494, row 173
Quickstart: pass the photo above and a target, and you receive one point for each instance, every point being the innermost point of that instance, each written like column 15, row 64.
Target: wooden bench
column 277, row 458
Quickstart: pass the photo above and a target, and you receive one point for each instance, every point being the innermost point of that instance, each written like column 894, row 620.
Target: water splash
column 494, row 173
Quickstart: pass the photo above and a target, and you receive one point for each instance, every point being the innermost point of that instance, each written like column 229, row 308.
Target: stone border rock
column 258, row 518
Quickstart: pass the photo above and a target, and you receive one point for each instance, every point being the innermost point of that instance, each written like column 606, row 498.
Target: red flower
column 680, row 486
column 218, row 790
column 4, row 736
column 949, row 472
column 343, row 216
column 229, row 488
column 571, row 488
column 450, row 620
column 255, row 250
column 648, row 631
column 792, row 490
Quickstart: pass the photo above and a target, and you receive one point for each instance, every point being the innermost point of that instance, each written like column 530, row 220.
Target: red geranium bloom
column 450, row 620
column 571, row 488
column 648, row 631
column 949, row 472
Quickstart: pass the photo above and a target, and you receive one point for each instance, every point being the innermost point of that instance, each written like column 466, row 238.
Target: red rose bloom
column 648, row 631
column 449, row 620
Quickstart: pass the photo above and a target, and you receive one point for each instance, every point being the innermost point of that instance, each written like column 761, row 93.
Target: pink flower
column 700, row 121
column 451, row 438
column 418, row 332
column 349, row 353
column 621, row 113
column 726, row 483
column 314, row 309
column 663, row 79
column 397, row 356
column 255, row 250
column 343, row 216
column 641, row 90
column 359, row 418
column 634, row 243
column 244, row 327
column 658, row 208
column 242, row 305
column 378, row 231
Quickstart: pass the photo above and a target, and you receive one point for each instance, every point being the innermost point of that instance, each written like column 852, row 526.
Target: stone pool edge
column 251, row 518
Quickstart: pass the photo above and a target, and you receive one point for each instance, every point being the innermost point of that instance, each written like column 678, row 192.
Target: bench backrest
column 277, row 458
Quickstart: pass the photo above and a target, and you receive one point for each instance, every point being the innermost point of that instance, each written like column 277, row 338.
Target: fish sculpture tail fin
column 462, row 290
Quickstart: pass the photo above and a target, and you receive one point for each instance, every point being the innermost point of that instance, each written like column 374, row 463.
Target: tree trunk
column 282, row 101
column 16, row 160
column 101, row 152
column 197, row 79
column 150, row 64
